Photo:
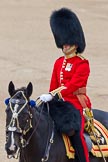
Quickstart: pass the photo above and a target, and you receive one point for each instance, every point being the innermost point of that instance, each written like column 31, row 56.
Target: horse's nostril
column 12, row 147
column 9, row 152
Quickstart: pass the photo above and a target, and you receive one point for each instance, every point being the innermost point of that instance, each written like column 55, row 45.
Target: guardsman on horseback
column 70, row 72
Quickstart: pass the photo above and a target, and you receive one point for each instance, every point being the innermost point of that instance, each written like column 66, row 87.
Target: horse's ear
column 11, row 88
column 29, row 89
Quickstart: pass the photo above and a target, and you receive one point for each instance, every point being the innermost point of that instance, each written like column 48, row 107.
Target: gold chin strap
column 71, row 52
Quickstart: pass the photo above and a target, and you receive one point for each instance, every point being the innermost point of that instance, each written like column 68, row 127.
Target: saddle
column 101, row 137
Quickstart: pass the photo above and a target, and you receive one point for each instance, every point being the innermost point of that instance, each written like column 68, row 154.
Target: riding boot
column 81, row 151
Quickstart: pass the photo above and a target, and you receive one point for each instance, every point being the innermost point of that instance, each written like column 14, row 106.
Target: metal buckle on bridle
column 44, row 159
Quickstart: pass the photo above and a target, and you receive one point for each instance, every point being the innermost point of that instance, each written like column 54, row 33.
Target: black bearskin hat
column 67, row 29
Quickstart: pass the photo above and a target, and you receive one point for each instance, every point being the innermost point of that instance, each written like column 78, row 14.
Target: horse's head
column 18, row 117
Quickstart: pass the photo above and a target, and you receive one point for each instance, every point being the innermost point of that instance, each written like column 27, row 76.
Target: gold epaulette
column 82, row 57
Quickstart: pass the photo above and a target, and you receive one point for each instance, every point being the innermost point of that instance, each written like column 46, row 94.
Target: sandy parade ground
column 28, row 51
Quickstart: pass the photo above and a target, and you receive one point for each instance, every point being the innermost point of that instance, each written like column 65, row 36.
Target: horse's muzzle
column 10, row 150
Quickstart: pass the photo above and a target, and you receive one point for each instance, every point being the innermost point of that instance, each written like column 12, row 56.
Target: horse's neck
column 37, row 146
column 42, row 131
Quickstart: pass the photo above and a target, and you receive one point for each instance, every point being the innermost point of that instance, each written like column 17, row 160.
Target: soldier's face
column 66, row 47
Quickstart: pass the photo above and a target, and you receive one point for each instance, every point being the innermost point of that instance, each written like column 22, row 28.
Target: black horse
column 101, row 116
column 30, row 131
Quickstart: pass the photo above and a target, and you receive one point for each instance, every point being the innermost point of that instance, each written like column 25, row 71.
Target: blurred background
column 28, row 50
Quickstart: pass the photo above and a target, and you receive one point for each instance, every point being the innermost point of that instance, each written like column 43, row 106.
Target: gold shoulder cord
column 82, row 57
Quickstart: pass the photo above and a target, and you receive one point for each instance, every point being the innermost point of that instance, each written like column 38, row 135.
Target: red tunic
column 73, row 74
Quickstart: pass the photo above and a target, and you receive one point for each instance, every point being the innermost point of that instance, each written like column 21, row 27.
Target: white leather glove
column 46, row 97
